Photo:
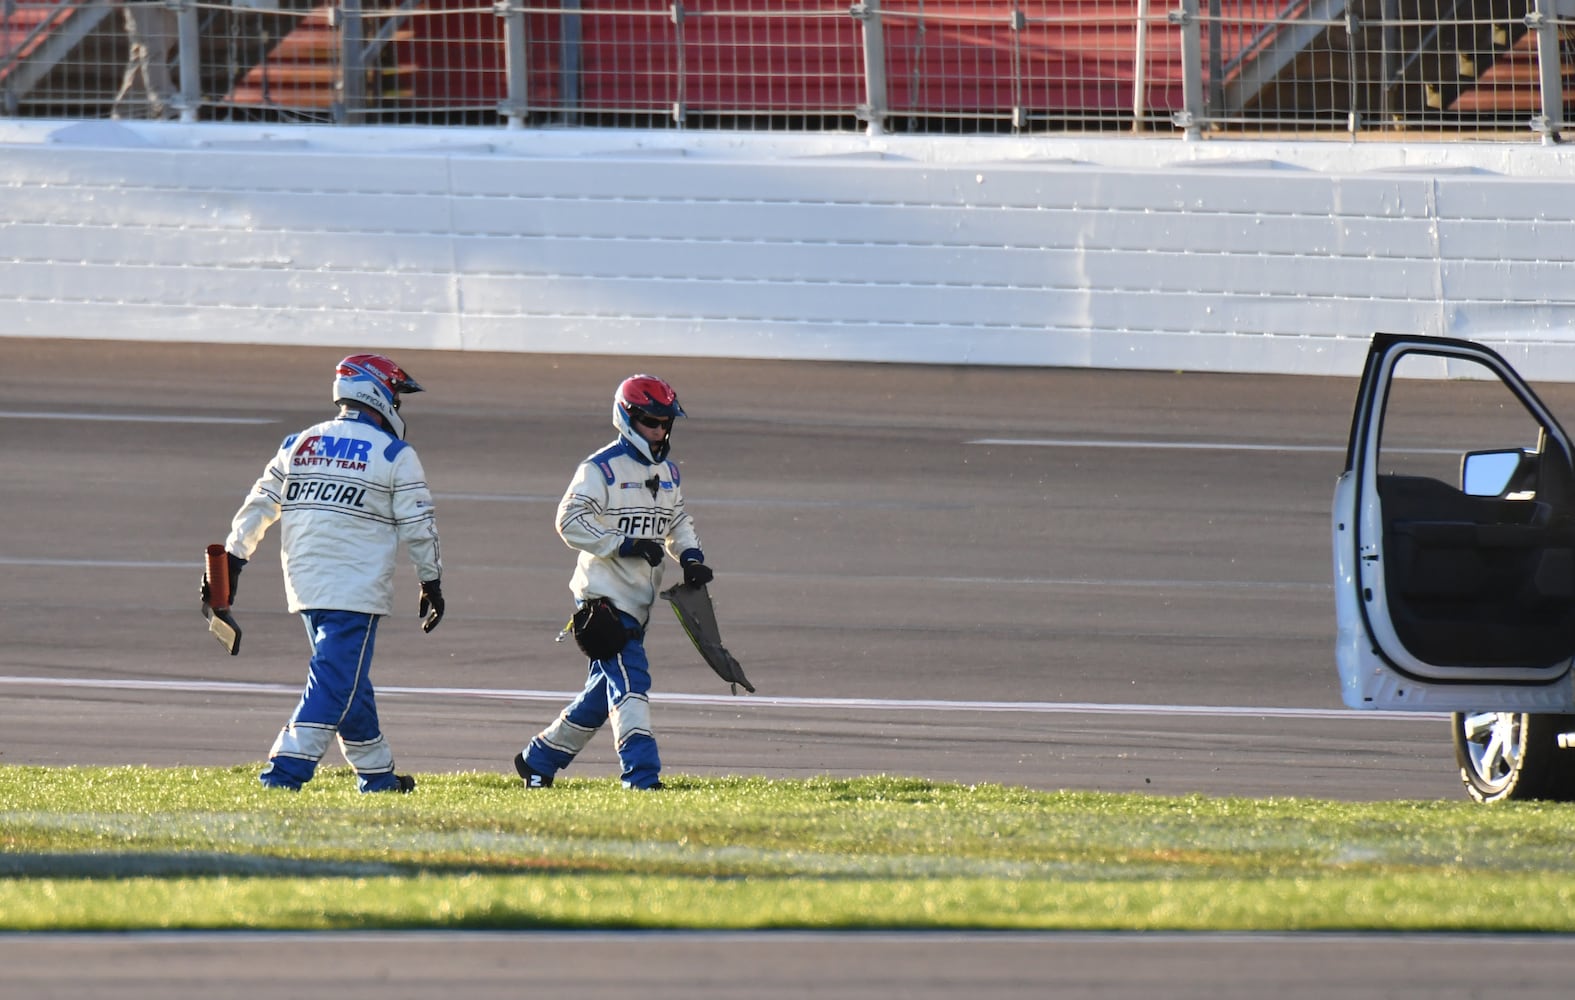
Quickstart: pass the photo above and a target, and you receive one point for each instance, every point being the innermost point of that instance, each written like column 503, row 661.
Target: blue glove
column 643, row 548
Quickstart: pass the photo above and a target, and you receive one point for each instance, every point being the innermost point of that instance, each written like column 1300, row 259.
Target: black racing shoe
column 407, row 784
column 532, row 778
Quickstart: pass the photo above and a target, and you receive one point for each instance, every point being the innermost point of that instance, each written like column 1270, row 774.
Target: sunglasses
column 650, row 421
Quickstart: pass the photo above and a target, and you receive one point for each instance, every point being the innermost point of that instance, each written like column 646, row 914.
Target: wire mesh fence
column 1239, row 67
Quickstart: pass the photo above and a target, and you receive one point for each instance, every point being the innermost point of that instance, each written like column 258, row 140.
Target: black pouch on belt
column 598, row 630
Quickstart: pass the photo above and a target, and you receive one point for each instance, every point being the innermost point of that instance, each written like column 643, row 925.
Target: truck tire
column 1513, row 755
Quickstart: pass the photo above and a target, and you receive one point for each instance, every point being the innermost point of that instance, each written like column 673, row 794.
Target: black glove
column 646, row 549
column 432, row 605
column 236, row 565
column 697, row 574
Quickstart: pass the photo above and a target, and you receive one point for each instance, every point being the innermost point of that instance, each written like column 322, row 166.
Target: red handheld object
column 218, row 568
column 216, row 606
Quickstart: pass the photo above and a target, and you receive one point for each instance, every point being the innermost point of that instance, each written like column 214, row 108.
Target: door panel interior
column 1476, row 580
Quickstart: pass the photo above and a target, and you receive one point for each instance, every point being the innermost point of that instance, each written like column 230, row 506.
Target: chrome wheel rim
column 1493, row 746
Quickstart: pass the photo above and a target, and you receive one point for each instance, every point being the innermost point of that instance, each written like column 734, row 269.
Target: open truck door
column 1454, row 560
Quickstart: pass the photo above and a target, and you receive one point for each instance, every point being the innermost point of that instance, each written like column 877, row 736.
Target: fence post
column 1216, row 57
column 1391, row 59
column 1190, row 117
column 190, row 58
column 1140, row 69
column 1018, row 22
column 515, row 106
column 1354, row 78
column 352, row 74
column 680, row 108
column 569, row 59
column 873, row 110
column 1550, row 80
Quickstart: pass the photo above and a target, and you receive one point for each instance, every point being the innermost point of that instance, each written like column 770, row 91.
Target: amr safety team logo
column 326, row 453
column 323, row 451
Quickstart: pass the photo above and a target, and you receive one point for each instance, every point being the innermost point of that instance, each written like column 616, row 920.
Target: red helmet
column 375, row 381
column 648, row 397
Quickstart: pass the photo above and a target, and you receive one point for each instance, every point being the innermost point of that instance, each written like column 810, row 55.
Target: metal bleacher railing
column 1301, row 68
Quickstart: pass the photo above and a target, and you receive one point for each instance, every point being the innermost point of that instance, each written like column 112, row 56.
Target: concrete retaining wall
column 1148, row 254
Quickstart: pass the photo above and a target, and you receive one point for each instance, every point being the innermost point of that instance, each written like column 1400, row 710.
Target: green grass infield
column 85, row 848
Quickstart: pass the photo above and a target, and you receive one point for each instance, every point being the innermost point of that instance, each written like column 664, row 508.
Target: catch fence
column 1302, row 68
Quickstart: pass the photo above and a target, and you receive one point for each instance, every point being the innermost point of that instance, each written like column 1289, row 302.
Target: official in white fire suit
column 624, row 513
column 349, row 491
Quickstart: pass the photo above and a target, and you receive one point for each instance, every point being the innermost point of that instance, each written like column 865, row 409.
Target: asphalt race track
column 1061, row 579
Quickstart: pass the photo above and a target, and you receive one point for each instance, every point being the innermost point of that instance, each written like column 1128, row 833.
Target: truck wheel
column 1513, row 755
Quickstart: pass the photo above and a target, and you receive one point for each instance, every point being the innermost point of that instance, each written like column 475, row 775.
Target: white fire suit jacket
column 615, row 495
column 348, row 493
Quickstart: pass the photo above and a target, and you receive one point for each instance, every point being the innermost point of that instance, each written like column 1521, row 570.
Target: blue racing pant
column 617, row 688
column 338, row 702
